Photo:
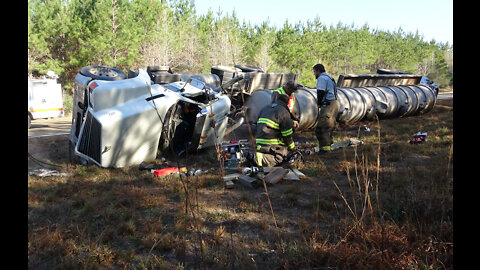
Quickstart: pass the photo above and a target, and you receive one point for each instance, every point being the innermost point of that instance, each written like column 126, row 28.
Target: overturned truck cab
column 119, row 121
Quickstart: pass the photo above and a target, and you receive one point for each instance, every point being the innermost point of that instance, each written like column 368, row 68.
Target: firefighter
column 329, row 107
column 274, row 133
column 288, row 88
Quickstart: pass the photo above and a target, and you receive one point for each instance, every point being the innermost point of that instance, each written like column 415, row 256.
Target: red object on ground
column 165, row 171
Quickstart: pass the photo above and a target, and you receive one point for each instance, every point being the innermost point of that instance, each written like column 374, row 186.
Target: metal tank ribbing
column 356, row 103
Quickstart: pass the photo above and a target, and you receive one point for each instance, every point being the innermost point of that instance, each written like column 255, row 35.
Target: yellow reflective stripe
column 326, row 148
column 258, row 147
column 46, row 110
column 268, row 122
column 291, row 146
column 280, row 91
column 287, row 132
column 269, row 141
column 259, row 159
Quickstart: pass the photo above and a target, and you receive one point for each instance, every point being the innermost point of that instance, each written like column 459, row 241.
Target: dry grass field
column 385, row 204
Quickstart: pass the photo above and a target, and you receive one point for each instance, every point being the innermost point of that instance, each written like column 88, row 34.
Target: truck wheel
column 29, row 121
column 164, row 78
column 103, row 73
column 211, row 79
column 168, row 130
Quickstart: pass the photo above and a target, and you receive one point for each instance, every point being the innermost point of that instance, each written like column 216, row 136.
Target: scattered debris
column 46, row 173
column 275, row 175
column 173, row 170
column 228, row 179
column 250, row 171
column 366, row 128
column 291, row 176
column 419, row 138
column 168, row 171
column 233, row 176
column 299, row 173
column 346, row 143
column 229, row 184
column 146, row 166
column 199, row 172
column 272, row 175
column 268, row 169
column 248, row 181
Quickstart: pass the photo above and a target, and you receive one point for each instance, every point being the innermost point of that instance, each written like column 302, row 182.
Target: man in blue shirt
column 329, row 106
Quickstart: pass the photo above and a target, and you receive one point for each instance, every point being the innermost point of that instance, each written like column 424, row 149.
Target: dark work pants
column 326, row 123
column 272, row 155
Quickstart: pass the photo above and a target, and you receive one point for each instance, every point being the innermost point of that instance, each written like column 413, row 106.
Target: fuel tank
column 356, row 103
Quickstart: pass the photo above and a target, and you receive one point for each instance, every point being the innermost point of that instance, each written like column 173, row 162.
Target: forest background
column 66, row 35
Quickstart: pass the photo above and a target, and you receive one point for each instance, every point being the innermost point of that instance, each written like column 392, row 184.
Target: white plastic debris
column 346, row 143
column 46, row 173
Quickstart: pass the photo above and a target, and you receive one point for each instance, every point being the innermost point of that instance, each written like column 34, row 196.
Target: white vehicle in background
column 45, row 98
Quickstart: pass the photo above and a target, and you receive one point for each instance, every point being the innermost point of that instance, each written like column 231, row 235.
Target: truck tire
column 159, row 69
column 211, row 79
column 103, row 73
column 29, row 121
column 164, row 78
column 225, row 73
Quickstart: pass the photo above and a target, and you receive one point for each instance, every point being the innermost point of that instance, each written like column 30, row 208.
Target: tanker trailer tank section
column 368, row 95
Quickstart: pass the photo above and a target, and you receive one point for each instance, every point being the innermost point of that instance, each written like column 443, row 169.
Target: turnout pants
column 270, row 155
column 326, row 124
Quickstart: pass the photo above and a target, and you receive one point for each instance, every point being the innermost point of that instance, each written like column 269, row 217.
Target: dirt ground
column 48, row 149
column 50, row 126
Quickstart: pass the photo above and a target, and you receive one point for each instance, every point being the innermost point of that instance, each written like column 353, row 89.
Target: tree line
column 65, row 35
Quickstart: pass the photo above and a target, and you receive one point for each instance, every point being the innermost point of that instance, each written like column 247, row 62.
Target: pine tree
column 48, row 25
column 65, row 35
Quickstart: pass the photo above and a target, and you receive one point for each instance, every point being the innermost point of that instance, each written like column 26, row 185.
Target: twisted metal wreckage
column 121, row 120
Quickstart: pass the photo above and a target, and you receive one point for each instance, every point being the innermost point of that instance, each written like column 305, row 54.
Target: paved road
column 50, row 127
column 445, row 95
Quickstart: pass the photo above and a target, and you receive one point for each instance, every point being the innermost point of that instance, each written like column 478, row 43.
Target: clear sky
column 432, row 18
